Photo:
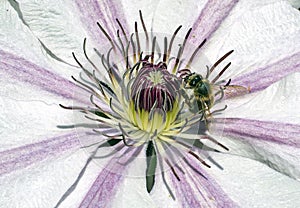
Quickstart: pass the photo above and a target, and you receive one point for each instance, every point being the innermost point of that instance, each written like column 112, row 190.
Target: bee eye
column 193, row 83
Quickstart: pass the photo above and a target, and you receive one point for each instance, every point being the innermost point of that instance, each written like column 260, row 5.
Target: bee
column 206, row 93
column 202, row 99
column 202, row 91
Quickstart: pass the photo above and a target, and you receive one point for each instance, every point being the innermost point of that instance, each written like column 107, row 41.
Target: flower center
column 161, row 104
column 155, row 87
column 154, row 99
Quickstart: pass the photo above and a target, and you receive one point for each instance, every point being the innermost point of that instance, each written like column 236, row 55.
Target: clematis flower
column 54, row 157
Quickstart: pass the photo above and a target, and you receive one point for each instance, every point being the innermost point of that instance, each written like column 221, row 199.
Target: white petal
column 169, row 15
column 24, row 65
column 260, row 35
column 43, row 185
column 275, row 107
column 53, row 23
column 252, row 184
column 16, row 38
column 25, row 122
column 131, row 11
column 276, row 103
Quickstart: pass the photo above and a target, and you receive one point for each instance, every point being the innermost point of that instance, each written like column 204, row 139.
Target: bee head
column 192, row 80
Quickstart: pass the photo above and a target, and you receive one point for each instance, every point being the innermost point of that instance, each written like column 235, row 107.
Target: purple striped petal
column 273, row 143
column 24, row 156
column 200, row 190
column 18, row 68
column 271, row 131
column 105, row 12
column 263, row 77
column 105, row 186
column 211, row 17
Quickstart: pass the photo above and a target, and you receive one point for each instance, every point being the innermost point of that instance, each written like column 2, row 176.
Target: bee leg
column 205, row 112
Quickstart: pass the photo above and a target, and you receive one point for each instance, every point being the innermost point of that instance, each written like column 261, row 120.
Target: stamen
column 171, row 154
column 180, row 51
column 127, row 56
column 133, row 48
column 74, row 185
column 145, row 30
column 153, row 49
column 106, row 35
column 186, row 161
column 106, row 135
column 74, row 108
column 121, row 43
column 103, row 121
column 219, row 110
column 123, row 136
column 162, row 168
column 118, row 112
column 97, row 106
column 85, row 71
column 91, row 76
column 173, row 170
column 220, row 60
column 108, row 63
column 165, row 49
column 194, row 54
column 103, row 61
column 207, row 72
column 221, row 97
column 188, row 147
column 228, row 83
column 171, row 42
column 86, row 56
column 122, row 29
column 215, row 141
column 198, row 158
column 193, row 168
column 184, row 72
column 87, row 81
column 176, row 60
column 220, row 74
column 86, row 87
column 137, row 39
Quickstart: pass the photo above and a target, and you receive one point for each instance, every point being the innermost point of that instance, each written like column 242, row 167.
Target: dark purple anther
column 155, row 87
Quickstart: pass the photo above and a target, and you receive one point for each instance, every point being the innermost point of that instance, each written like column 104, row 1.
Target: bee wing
column 235, row 90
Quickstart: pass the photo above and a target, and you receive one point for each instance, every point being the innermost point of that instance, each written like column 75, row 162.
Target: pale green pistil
column 156, row 78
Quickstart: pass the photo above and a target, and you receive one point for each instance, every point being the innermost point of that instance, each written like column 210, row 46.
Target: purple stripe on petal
column 22, row 70
column 211, row 17
column 271, row 131
column 184, row 192
column 103, row 189
column 105, row 12
column 263, row 77
column 273, row 143
column 105, row 186
column 198, row 189
column 24, row 156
